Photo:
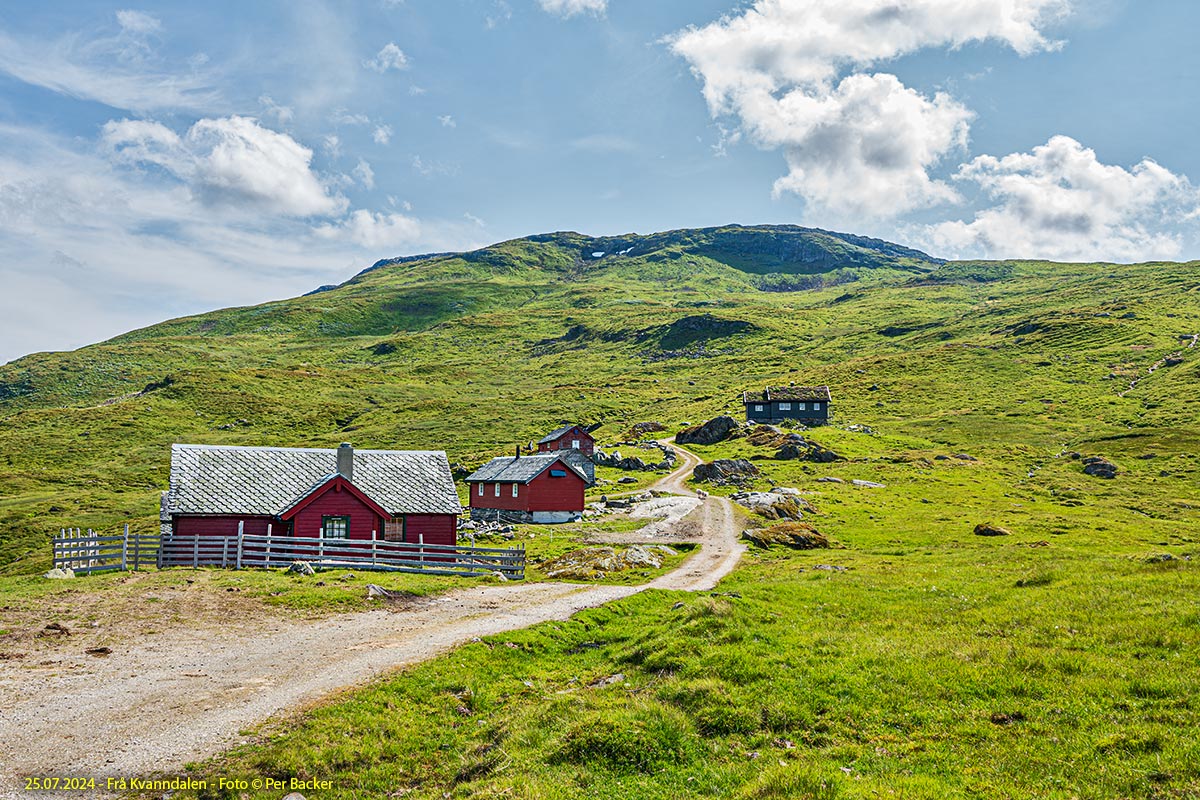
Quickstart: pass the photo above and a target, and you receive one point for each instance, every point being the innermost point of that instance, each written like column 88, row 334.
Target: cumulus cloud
column 390, row 57
column 372, row 230
column 795, row 76
column 228, row 161
column 382, row 134
column 1059, row 201
column 447, row 121
column 569, row 8
column 364, row 174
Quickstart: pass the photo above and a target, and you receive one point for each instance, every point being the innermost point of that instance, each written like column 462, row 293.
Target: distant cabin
column 542, row 487
column 808, row 405
column 571, row 437
column 393, row 495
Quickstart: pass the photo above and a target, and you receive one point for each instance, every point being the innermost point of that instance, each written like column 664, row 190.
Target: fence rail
column 92, row 552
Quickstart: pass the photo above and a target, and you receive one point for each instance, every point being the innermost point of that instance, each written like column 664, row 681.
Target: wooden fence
column 89, row 552
column 94, row 553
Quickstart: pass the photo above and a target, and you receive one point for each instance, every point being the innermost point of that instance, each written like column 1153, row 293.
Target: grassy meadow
column 1059, row 661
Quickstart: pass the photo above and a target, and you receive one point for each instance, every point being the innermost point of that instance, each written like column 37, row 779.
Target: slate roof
column 786, row 393
column 557, row 434
column 208, row 479
column 507, row 469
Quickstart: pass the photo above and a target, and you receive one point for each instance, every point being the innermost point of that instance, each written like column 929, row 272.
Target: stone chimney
column 518, row 451
column 345, row 461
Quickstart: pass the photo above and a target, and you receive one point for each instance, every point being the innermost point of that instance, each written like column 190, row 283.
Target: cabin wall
column 555, row 494
column 771, row 413
column 505, row 501
column 586, row 443
column 363, row 520
column 227, row 525
column 436, row 528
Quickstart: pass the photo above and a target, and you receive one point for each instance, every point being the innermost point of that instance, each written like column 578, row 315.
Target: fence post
column 196, row 551
column 162, row 544
column 321, row 548
column 374, row 547
column 241, row 534
column 125, row 549
column 224, row 551
column 421, row 551
column 267, row 555
column 137, row 551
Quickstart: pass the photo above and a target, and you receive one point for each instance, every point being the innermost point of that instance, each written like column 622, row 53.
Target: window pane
column 515, row 489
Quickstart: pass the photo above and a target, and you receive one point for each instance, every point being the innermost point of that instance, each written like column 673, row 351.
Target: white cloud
column 382, row 134
column 343, row 117
column 1060, row 202
column 474, row 220
column 283, row 114
column 569, row 8
column 447, row 121
column 108, row 70
column 373, row 230
column 138, row 22
column 502, row 13
column 231, row 161
column 779, row 68
column 364, row 174
column 390, row 57
column 332, row 144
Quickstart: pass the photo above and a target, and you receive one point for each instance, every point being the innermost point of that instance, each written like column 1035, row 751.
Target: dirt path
column 186, row 694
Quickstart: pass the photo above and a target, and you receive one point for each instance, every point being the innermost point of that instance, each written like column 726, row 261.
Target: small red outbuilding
column 571, row 437
column 395, row 495
column 543, row 487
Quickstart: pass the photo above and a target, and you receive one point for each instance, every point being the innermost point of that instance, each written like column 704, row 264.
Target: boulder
column 595, row 562
column 726, row 470
column 807, row 452
column 715, row 430
column 868, row 484
column 829, row 479
column 627, row 479
column 59, row 573
column 988, row 529
column 796, row 535
column 300, row 568
column 772, row 505
column 1099, row 467
column 377, row 591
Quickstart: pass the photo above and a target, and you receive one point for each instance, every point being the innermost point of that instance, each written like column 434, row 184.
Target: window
column 558, row 473
column 515, row 485
column 816, row 406
column 758, row 408
column 497, row 489
column 574, row 444
column 803, row 406
column 481, row 489
column 335, row 527
column 787, row 406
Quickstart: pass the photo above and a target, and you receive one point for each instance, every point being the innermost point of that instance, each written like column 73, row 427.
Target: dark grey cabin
column 805, row 404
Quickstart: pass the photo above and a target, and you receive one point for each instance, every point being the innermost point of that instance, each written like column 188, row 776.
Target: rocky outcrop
column 640, row 429
column 796, row 535
column 633, row 463
column 988, row 529
column 590, row 563
column 808, row 451
column 726, row 471
column 775, row 504
column 715, row 430
column 1099, row 467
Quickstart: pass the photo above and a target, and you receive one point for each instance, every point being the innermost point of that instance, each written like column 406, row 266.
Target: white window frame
column 515, row 485
column 804, row 406
column 497, row 489
column 481, row 488
column 816, row 406
column 758, row 408
column 574, row 444
column 786, row 406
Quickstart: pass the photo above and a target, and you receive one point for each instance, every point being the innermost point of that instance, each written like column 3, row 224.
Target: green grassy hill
column 1054, row 662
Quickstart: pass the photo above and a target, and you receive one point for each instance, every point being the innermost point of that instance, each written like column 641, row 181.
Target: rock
column 377, row 591
column 785, row 490
column 830, row 567
column 726, row 470
column 772, row 505
column 627, row 479
column 642, row 428
column 348, row 576
column 589, row 563
column 609, row 681
column 1099, row 467
column 869, row 484
column 988, row 529
column 618, row 504
column 293, row 796
column 99, row 651
column 796, row 535
column 829, row 479
column 467, row 526
column 500, row 576
column 715, row 430
column 1172, row 361
column 300, row 568
column 1158, row 558
column 58, row 573
column 56, row 628
column 965, row 457
column 639, row 556
column 791, row 452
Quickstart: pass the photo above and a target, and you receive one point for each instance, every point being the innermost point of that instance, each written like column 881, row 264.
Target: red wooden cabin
column 572, row 437
column 543, row 487
column 394, row 495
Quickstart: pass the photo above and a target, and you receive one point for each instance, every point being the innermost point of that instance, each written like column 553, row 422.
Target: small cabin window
column 803, row 406
column 481, row 489
column 788, row 406
column 758, row 408
column 558, row 473
column 497, row 489
column 335, row 527
column 816, row 406
column 574, row 444
column 515, row 485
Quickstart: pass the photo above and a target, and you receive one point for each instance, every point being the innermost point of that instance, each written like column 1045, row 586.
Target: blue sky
column 159, row 159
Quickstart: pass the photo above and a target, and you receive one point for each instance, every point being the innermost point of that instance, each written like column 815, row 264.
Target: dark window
column 558, row 473
column 335, row 527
